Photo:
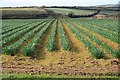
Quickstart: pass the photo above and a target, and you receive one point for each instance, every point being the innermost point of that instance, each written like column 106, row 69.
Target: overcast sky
column 12, row 3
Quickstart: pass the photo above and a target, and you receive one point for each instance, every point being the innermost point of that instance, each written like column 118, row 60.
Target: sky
column 18, row 3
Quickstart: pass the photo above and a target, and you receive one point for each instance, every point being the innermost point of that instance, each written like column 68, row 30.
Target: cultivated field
column 66, row 11
column 16, row 11
column 29, row 12
column 79, row 47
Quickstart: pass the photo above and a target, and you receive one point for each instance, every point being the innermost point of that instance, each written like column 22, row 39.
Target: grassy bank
column 47, row 76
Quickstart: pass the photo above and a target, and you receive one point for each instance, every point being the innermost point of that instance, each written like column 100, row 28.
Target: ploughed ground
column 60, row 63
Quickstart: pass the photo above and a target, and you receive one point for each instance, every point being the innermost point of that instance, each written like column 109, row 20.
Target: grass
column 109, row 12
column 23, row 11
column 47, row 76
column 66, row 11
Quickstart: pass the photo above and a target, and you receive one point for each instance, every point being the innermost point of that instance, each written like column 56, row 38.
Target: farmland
column 40, row 12
column 66, row 11
column 86, row 31
column 23, row 13
column 8, row 11
column 60, row 46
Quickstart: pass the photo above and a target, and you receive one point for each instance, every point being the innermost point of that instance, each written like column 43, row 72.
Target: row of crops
column 13, row 48
column 38, row 27
column 113, row 52
column 10, row 25
column 102, row 27
column 64, row 41
column 6, row 38
column 30, row 49
column 94, row 50
column 14, row 36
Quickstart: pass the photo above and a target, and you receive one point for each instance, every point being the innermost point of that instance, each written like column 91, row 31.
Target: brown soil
column 40, row 51
column 76, row 45
column 60, row 63
column 112, row 44
column 107, row 54
column 58, row 43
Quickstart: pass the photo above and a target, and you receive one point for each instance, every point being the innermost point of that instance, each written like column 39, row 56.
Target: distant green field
column 109, row 12
column 66, row 11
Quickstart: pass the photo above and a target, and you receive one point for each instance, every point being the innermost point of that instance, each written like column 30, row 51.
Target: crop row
column 99, row 31
column 114, row 53
column 50, row 45
column 65, row 43
column 94, row 50
column 12, row 49
column 12, row 37
column 108, row 32
column 30, row 48
column 108, row 24
column 16, row 30
column 12, row 26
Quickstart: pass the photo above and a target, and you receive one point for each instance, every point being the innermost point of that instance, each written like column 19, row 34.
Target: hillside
column 27, row 12
column 108, row 5
column 66, row 11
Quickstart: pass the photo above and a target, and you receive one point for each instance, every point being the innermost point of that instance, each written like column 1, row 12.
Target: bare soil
column 60, row 63
column 58, row 42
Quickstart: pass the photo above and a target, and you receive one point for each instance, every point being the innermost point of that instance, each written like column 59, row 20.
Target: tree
column 71, row 13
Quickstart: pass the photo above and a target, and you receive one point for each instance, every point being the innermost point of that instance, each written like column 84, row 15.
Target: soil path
column 58, row 43
column 42, row 49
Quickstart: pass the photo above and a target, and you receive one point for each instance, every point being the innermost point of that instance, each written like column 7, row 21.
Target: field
column 109, row 12
column 79, row 47
column 29, row 12
column 9, row 11
column 66, row 11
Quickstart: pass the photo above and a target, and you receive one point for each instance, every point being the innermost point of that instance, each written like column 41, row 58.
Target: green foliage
column 116, row 53
column 30, row 49
column 12, row 49
column 94, row 50
column 66, row 11
column 51, row 40
column 100, row 29
column 87, row 24
column 19, row 32
column 14, row 28
column 65, row 43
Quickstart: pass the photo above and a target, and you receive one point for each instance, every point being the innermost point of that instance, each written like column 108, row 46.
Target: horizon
column 21, row 3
